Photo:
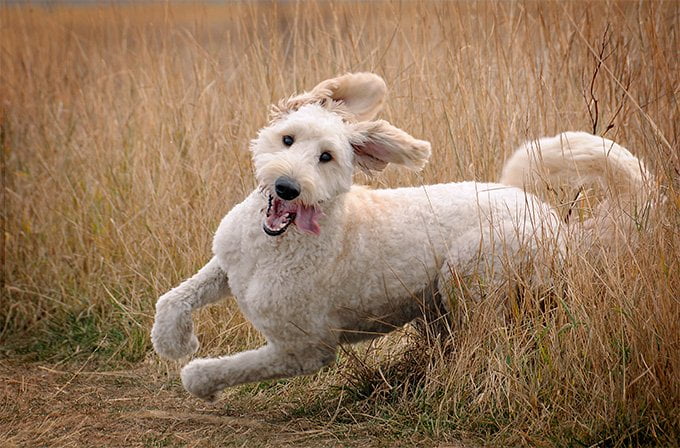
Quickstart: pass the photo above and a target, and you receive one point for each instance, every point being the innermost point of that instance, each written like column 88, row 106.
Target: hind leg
column 488, row 258
column 479, row 265
column 472, row 269
column 475, row 263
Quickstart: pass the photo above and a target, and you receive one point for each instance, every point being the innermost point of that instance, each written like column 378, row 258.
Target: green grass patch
column 82, row 336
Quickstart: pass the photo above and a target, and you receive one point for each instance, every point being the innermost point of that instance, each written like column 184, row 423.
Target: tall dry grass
column 124, row 137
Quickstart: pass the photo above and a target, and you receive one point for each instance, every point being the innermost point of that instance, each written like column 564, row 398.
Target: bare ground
column 48, row 405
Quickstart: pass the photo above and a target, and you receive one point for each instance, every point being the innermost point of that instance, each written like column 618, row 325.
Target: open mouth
column 281, row 214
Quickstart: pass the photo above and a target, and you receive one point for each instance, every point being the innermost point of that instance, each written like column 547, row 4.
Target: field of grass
column 124, row 133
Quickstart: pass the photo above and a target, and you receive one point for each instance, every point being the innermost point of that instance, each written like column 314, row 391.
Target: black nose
column 286, row 188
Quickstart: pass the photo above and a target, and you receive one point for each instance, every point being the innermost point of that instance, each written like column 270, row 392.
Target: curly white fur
column 361, row 262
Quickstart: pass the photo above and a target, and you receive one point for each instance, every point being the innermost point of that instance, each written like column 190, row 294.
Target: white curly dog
column 314, row 261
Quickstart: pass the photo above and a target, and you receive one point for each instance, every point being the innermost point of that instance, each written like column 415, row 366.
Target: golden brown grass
column 124, row 134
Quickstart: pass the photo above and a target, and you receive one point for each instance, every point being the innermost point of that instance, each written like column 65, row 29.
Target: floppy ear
column 363, row 94
column 377, row 143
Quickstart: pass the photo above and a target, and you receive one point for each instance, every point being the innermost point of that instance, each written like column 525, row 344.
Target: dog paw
column 172, row 334
column 173, row 344
column 198, row 380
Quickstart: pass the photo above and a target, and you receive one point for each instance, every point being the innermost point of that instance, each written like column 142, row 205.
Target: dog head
column 315, row 141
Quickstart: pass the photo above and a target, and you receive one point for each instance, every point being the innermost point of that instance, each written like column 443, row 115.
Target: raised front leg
column 205, row 378
column 172, row 334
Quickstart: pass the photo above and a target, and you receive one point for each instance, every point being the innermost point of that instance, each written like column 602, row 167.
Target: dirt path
column 42, row 405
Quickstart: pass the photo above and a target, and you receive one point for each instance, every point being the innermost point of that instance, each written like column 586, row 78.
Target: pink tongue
column 306, row 219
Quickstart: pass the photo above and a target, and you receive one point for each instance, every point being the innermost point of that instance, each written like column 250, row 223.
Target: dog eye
column 325, row 157
column 288, row 140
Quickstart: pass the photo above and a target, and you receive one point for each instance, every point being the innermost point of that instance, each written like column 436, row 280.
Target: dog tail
column 608, row 186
